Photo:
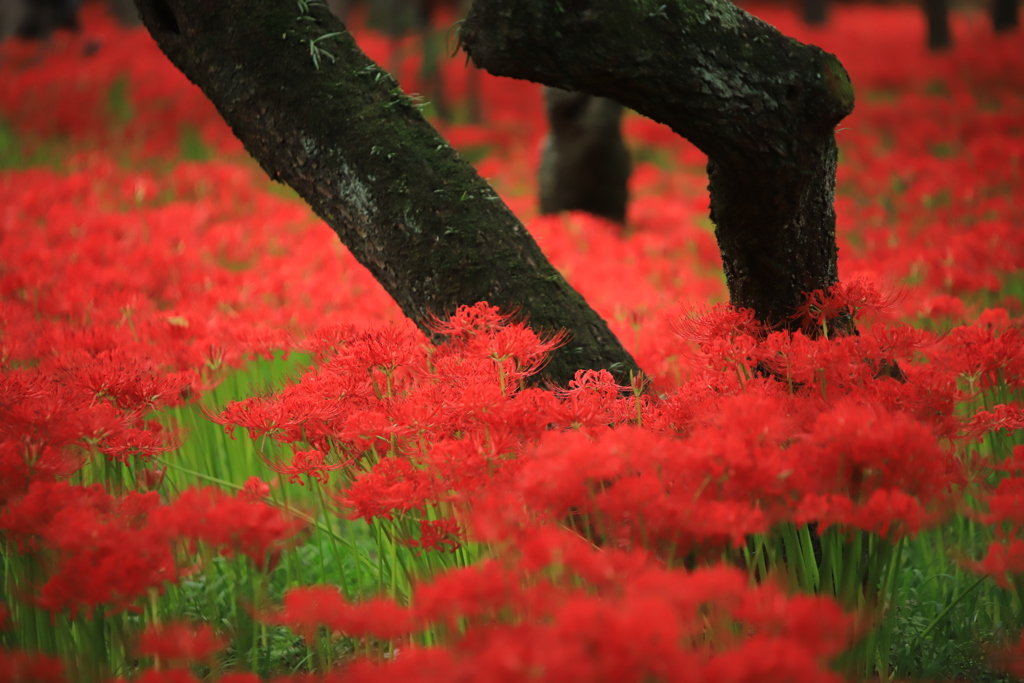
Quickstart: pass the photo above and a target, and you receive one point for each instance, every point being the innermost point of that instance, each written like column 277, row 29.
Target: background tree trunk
column 318, row 115
column 1004, row 15
column 762, row 106
column 936, row 13
column 125, row 12
column 584, row 165
column 815, row 12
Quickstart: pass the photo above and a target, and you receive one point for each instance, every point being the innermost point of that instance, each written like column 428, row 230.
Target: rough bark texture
column 585, row 165
column 936, row 13
column 318, row 115
column 762, row 106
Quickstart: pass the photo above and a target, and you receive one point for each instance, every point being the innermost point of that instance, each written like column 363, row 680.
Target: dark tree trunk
column 36, row 20
column 762, row 106
column 339, row 8
column 815, row 12
column 474, row 108
column 321, row 117
column 125, row 12
column 432, row 68
column 585, row 165
column 936, row 12
column 1004, row 15
column 318, row 115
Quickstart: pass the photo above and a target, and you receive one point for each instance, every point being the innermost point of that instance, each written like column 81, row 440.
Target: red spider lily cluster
column 608, row 514
column 627, row 626
column 100, row 550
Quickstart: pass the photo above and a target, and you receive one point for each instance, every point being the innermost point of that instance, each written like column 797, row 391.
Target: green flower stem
column 333, row 538
column 916, row 643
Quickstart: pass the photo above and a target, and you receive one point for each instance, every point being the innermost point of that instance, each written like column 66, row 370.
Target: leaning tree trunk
column 762, row 106
column 321, row 117
column 318, row 115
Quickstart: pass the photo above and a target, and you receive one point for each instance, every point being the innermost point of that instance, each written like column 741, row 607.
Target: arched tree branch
column 762, row 106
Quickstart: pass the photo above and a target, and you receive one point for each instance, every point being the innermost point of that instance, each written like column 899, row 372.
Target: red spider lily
column 655, row 624
column 469, row 321
column 327, row 340
column 439, row 534
column 481, row 331
column 387, row 349
column 255, row 529
column 770, row 659
column 307, row 609
column 130, row 442
column 703, row 326
column 855, row 448
column 102, row 322
column 1006, row 503
column 312, row 464
column 462, row 468
column 181, row 642
column 394, row 485
column 593, row 399
column 519, row 344
column 22, row 465
column 986, row 352
column 636, row 488
column 255, row 490
column 1001, row 417
column 167, row 676
column 365, row 429
column 888, row 513
column 22, row 667
column 1003, row 558
column 122, row 568
column 102, row 549
column 150, row 478
column 1006, row 513
column 853, row 298
column 240, row 678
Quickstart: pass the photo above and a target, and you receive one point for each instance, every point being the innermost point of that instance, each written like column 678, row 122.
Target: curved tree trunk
column 762, row 106
column 321, row 117
column 318, row 115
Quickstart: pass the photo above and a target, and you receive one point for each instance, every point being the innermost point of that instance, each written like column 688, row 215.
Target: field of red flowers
column 225, row 455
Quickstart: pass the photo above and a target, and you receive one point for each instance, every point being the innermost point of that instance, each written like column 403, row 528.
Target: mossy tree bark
column 762, row 106
column 321, row 117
